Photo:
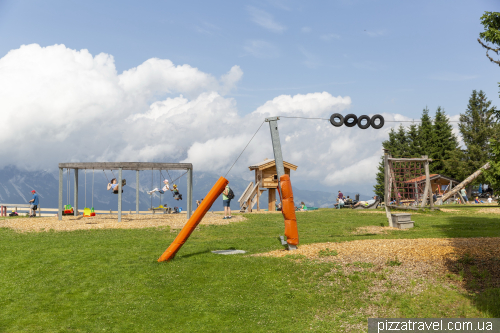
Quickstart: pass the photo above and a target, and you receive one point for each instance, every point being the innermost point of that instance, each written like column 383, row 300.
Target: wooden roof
column 267, row 163
column 433, row 176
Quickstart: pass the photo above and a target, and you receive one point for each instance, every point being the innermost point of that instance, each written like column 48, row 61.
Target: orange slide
column 288, row 210
column 198, row 214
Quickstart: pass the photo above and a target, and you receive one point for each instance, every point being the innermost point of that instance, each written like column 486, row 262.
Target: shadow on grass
column 480, row 276
column 194, row 254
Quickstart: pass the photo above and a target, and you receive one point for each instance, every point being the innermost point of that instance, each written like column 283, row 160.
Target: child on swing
column 113, row 185
column 163, row 190
column 177, row 195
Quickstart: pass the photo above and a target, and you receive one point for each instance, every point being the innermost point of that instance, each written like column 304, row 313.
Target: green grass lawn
column 110, row 281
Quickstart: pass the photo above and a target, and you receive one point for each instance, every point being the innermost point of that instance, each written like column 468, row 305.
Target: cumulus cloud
column 63, row 105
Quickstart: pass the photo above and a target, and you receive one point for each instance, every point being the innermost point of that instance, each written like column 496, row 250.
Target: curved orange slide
column 198, row 214
column 288, row 210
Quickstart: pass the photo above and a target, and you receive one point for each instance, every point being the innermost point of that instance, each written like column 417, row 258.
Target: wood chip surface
column 132, row 221
column 381, row 250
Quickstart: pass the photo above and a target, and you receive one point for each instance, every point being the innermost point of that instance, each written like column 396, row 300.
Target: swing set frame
column 120, row 166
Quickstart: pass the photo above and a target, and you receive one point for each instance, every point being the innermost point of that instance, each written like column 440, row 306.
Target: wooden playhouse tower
column 266, row 177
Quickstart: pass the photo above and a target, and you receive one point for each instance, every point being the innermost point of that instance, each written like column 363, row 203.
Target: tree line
column 434, row 137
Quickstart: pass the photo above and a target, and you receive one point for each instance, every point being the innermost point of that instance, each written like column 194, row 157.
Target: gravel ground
column 132, row 221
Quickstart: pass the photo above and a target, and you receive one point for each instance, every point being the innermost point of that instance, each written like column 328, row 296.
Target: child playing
column 163, row 190
column 113, row 185
column 177, row 195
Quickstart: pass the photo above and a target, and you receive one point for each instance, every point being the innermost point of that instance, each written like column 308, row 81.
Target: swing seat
column 68, row 210
column 87, row 212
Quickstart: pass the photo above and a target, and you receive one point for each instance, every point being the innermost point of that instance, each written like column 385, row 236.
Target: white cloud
column 63, row 105
column 265, row 20
column 261, row 49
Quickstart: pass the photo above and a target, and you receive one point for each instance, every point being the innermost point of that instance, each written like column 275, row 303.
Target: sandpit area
column 129, row 221
column 380, row 250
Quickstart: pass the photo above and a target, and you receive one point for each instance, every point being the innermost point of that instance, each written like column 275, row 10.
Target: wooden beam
column 427, row 184
column 466, row 182
column 387, row 190
column 410, row 159
column 127, row 166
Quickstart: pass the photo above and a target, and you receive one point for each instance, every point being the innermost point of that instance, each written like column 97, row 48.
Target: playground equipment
column 286, row 193
column 89, row 212
column 466, row 182
column 120, row 166
column 266, row 177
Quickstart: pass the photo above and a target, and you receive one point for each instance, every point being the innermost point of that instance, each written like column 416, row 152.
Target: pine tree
column 413, row 139
column 426, row 133
column 477, row 126
column 444, row 145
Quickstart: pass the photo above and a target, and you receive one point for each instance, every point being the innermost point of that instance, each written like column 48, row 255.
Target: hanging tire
column 368, row 122
column 349, row 117
column 337, row 116
column 379, row 117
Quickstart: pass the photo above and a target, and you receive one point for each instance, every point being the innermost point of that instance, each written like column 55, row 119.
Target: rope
column 244, row 149
column 92, row 188
column 85, row 188
column 152, row 184
column 105, row 175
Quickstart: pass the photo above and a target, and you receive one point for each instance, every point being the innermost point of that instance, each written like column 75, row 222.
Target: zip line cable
column 387, row 121
column 244, row 149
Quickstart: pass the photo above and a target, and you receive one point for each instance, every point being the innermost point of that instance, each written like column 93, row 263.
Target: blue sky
column 190, row 81
column 388, row 56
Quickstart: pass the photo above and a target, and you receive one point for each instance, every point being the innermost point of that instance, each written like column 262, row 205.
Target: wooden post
column 59, row 214
column 428, row 184
column 189, row 203
column 120, row 194
column 75, row 211
column 271, row 200
column 393, row 182
column 137, row 192
column 258, row 197
column 387, row 190
column 465, row 182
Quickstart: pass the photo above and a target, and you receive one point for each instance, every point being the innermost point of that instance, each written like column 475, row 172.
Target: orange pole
column 191, row 224
column 288, row 210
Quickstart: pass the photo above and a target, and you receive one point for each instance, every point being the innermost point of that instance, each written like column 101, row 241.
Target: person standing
column 464, row 195
column 341, row 195
column 34, row 204
column 226, row 202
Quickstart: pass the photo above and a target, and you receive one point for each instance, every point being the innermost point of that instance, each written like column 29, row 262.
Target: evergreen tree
column 426, row 133
column 445, row 143
column 477, row 126
column 413, row 139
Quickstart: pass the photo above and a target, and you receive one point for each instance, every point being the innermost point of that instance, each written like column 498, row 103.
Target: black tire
column 379, row 117
column 354, row 120
column 368, row 122
column 337, row 123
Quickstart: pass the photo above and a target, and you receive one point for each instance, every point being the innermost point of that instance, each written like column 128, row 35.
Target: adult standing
column 341, row 195
column 464, row 195
column 34, row 204
column 226, row 202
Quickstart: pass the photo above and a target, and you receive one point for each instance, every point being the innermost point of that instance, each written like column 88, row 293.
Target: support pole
column 137, row 192
column 428, row 181
column 427, row 184
column 120, row 194
column 189, row 207
column 75, row 211
column 278, row 156
column 59, row 213
column 387, row 190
